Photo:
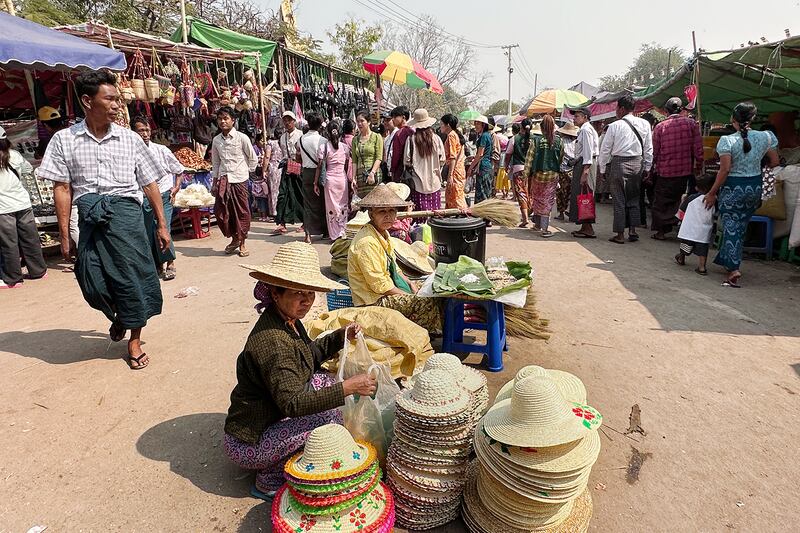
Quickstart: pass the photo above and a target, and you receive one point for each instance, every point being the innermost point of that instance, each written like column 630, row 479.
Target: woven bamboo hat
column 374, row 513
column 569, row 129
column 294, row 266
column 330, row 454
column 464, row 376
column 382, row 196
column 537, row 415
column 400, row 189
column 434, row 396
column 411, row 256
column 571, row 386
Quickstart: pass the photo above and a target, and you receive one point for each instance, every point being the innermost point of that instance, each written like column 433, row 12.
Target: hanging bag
column 136, row 73
column 151, row 86
column 586, row 207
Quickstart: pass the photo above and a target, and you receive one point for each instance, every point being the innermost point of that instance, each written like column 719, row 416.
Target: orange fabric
column 454, row 192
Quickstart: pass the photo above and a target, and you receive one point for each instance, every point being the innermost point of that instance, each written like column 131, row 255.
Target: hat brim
column 570, row 386
column 285, row 280
column 570, row 132
column 500, row 425
column 427, row 123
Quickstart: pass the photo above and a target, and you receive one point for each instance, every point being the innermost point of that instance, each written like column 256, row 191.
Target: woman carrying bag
column 424, row 158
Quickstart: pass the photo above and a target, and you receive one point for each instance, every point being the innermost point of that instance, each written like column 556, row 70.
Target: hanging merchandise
column 125, row 89
column 137, row 72
column 187, row 88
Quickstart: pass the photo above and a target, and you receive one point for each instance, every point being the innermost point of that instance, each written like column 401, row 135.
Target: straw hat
column 569, row 129
column 537, row 415
column 382, row 196
column 536, row 129
column 325, row 487
column 571, row 386
column 421, row 119
column 464, row 376
column 400, row 189
column 481, row 118
column 411, row 256
column 434, row 396
column 373, row 513
column 330, row 453
column 294, row 266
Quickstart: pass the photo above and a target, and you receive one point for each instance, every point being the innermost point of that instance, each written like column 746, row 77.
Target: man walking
column 584, row 172
column 169, row 183
column 400, row 116
column 314, row 219
column 232, row 161
column 626, row 155
column 104, row 169
column 290, row 192
column 677, row 152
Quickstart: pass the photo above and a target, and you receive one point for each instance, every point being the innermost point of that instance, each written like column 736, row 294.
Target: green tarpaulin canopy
column 206, row 34
column 768, row 75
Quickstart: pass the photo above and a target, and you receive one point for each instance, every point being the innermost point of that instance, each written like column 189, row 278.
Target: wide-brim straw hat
column 328, row 503
column 569, row 129
column 482, row 119
column 374, row 513
column 294, row 266
column 538, row 415
column 552, row 460
column 571, row 387
column 435, row 395
column 464, row 376
column 326, row 487
column 400, row 189
column 433, row 482
column 411, row 256
column 421, row 119
column 330, row 453
column 382, row 196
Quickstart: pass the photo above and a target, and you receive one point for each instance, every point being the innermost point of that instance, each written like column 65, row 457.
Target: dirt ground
column 88, row 445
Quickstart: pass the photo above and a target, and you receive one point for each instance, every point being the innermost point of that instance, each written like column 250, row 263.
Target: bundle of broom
column 496, row 211
column 526, row 322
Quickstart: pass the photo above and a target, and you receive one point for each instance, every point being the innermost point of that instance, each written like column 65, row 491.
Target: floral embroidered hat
column 330, row 454
column 571, row 387
column 373, row 514
column 537, row 415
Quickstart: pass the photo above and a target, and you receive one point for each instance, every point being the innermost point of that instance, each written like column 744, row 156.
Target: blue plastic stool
column 766, row 235
column 495, row 328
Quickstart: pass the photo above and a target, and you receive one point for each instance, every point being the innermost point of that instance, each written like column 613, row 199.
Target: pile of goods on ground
column 429, row 455
column 195, row 195
column 191, row 160
column 333, row 485
column 535, row 450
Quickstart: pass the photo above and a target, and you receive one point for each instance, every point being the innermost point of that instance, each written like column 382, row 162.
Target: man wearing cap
column 105, row 169
column 677, row 152
column 290, row 193
column 627, row 155
column 584, row 172
column 400, row 116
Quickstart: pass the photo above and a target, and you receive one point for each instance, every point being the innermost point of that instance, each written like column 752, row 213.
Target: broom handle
column 425, row 214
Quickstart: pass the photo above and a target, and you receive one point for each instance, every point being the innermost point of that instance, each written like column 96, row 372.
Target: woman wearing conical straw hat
column 372, row 268
column 281, row 393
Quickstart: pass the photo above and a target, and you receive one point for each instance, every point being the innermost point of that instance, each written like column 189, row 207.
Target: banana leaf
column 448, row 279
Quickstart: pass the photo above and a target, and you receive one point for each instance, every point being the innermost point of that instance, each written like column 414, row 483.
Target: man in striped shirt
column 104, row 169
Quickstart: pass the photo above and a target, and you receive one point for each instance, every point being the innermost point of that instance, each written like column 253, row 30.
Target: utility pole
column 508, row 49
column 535, row 84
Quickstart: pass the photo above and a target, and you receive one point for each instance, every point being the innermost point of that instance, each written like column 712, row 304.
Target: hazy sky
column 567, row 42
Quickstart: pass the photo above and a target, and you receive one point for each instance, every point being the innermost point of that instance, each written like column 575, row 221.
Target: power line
column 521, row 72
column 526, row 65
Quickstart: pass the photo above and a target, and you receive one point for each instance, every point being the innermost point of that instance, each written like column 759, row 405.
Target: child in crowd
column 258, row 184
column 697, row 225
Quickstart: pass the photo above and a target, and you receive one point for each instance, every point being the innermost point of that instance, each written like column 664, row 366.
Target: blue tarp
column 25, row 44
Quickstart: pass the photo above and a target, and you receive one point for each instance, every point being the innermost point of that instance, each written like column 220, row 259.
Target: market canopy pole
column 697, row 78
column 184, row 29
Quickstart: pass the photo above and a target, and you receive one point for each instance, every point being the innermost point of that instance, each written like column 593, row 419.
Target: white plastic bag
column 369, row 419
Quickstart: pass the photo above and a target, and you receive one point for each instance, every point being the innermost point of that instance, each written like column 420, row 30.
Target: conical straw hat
column 571, row 386
column 294, row 266
column 382, row 196
column 330, row 454
column 536, row 415
column 434, row 396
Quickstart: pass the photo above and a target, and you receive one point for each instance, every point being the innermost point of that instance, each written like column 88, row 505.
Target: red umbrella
column 430, row 79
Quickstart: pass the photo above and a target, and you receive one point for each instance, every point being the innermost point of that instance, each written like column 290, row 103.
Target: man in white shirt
column 626, row 156
column 290, row 193
column 168, row 184
column 584, row 172
column 314, row 220
column 232, row 161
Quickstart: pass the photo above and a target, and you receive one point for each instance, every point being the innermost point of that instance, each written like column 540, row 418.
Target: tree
column 653, row 63
column 45, row 13
column 500, row 107
column 448, row 58
column 354, row 40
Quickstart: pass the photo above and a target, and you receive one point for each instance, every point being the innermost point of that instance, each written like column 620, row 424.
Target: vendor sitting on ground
column 281, row 393
column 372, row 269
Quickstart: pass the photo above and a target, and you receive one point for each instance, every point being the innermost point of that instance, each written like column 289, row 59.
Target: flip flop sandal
column 547, row 234
column 116, row 332
column 231, row 248
column 633, row 238
column 244, row 253
column 701, row 272
column 616, row 241
column 653, row 236
column 732, row 282
column 14, row 286
column 138, row 361
column 169, row 274
column 680, row 260
column 279, row 231
column 582, row 235
column 266, row 496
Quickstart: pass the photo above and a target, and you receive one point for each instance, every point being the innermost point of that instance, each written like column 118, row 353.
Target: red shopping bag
column 586, row 210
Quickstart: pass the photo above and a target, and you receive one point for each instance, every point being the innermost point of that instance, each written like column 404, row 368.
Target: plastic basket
column 340, row 298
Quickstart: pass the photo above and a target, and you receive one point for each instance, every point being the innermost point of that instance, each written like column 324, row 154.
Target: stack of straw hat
column 333, row 485
column 468, row 378
column 429, row 456
column 570, row 386
column 535, row 451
